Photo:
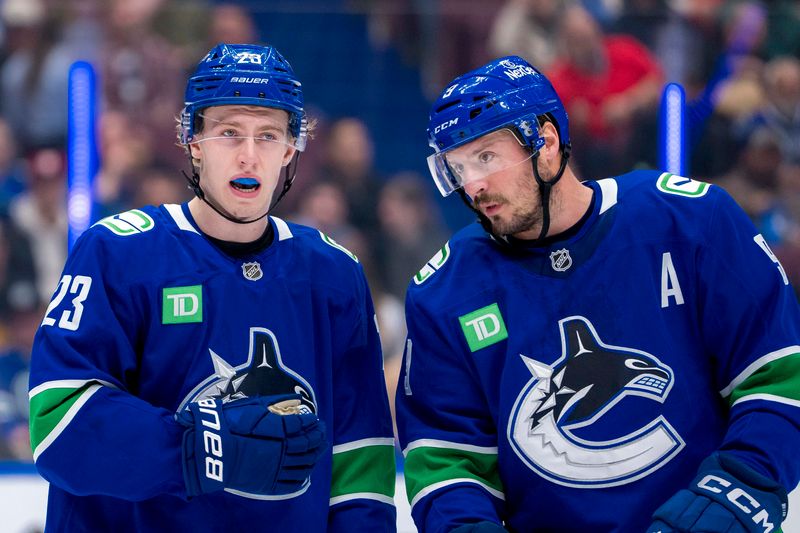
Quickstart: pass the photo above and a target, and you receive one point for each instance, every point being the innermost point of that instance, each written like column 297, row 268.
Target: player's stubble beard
column 526, row 213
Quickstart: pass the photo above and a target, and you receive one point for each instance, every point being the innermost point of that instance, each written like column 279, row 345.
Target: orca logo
column 588, row 380
column 264, row 374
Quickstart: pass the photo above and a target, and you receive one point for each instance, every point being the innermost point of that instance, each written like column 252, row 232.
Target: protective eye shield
column 488, row 155
column 235, row 136
column 231, row 134
column 262, row 144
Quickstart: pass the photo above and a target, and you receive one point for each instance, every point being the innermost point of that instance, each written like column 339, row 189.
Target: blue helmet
column 244, row 74
column 505, row 93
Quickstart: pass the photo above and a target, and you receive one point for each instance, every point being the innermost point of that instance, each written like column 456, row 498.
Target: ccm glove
column 247, row 446
column 727, row 496
column 480, row 527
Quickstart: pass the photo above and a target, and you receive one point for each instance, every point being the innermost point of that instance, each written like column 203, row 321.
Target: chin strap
column 545, row 187
column 194, row 186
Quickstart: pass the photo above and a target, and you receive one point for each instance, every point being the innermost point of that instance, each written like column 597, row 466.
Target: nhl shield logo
column 252, row 271
column 560, row 260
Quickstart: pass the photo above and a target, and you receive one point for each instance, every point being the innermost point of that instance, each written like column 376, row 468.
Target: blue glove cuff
column 758, row 503
column 204, row 474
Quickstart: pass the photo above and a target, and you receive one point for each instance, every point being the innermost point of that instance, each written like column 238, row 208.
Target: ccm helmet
column 244, row 74
column 507, row 93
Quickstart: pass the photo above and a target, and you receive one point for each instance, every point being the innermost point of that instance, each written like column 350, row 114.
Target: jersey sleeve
column 90, row 435
column 363, row 471
column 751, row 323
column 446, row 431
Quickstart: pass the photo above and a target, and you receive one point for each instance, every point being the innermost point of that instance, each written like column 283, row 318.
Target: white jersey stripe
column 433, row 443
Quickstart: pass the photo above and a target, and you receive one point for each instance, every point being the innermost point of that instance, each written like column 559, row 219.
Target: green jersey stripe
column 366, row 469
column 756, row 365
column 426, row 467
column 778, row 378
column 51, row 412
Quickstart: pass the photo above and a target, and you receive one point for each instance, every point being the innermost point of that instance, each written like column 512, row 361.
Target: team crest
column 587, row 381
column 263, row 374
column 560, row 260
column 252, row 271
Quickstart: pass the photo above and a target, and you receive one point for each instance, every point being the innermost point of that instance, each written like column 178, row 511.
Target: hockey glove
column 249, row 446
column 480, row 527
column 727, row 496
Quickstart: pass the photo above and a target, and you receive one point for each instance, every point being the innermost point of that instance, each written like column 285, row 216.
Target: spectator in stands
column 780, row 109
column 324, row 206
column 142, row 73
column 12, row 168
column 40, row 214
column 410, row 230
column 33, row 80
column 607, row 83
column 231, row 23
column 528, row 28
column 158, row 185
column 350, row 164
column 20, row 314
column 683, row 49
column 127, row 150
column 753, row 183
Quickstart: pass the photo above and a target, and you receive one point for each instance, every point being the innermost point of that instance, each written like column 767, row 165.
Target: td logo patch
column 483, row 327
column 182, row 305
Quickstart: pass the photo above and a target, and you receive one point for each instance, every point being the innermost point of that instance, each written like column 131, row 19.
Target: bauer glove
column 255, row 445
column 727, row 496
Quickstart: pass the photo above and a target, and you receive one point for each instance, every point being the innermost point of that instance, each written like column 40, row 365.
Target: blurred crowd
column 739, row 61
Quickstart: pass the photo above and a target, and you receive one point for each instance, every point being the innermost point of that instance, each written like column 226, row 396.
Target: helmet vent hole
column 237, row 93
column 475, row 112
column 448, row 104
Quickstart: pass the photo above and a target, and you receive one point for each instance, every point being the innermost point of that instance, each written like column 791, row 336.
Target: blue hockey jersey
column 577, row 386
column 150, row 315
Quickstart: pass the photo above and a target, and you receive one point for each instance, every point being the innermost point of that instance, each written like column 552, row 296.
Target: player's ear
column 288, row 155
column 194, row 150
column 549, row 133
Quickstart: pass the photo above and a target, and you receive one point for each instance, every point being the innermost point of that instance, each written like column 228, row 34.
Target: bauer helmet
column 244, row 74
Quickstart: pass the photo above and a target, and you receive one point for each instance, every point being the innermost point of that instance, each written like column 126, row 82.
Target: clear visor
column 477, row 160
column 233, row 134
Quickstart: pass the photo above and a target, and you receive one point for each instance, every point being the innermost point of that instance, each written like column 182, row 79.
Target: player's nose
column 247, row 152
column 475, row 186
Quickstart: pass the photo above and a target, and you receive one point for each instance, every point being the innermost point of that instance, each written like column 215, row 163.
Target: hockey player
column 205, row 366
column 614, row 355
